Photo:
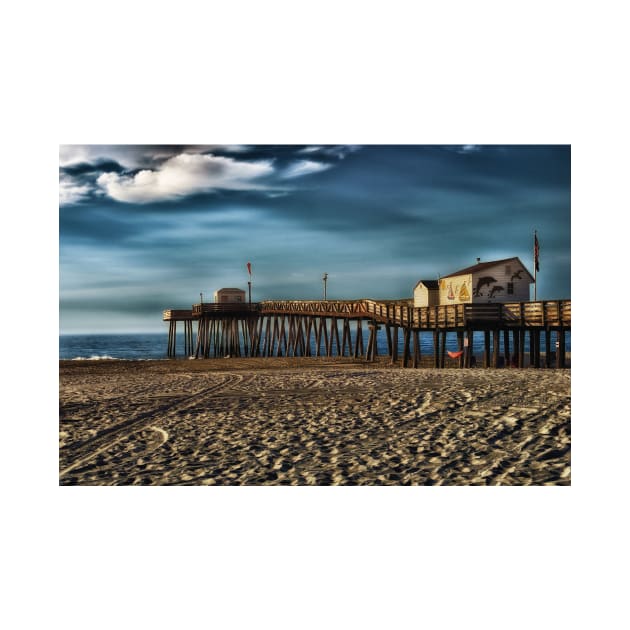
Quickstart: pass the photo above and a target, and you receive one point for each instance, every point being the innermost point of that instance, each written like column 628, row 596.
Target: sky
column 144, row 228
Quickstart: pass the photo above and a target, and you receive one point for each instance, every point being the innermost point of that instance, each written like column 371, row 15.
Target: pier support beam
column 486, row 348
column 395, row 345
column 436, row 348
column 416, row 349
column 561, row 352
column 506, row 347
column 521, row 348
column 406, row 335
column 470, row 335
column 358, row 341
column 547, row 348
column 536, row 334
column 460, row 348
column 346, row 338
column 172, row 332
column 495, row 348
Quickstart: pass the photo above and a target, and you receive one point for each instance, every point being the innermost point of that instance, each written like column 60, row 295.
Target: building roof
column 487, row 265
column 429, row 284
column 228, row 289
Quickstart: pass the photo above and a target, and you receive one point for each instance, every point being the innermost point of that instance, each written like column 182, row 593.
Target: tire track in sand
column 92, row 447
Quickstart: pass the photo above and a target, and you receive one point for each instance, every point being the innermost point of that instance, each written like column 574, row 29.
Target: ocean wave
column 95, row 357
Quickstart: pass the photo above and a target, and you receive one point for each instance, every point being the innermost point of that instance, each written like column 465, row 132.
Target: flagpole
column 535, row 266
column 249, row 283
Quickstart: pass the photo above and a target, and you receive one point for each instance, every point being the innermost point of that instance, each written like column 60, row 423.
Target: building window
column 510, row 288
column 508, row 270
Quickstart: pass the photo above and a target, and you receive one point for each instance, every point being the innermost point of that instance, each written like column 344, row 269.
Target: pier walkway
column 311, row 328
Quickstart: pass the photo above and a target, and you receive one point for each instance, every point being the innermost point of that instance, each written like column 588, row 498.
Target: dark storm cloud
column 98, row 167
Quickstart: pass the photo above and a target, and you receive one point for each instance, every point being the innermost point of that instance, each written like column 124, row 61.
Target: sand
column 312, row 421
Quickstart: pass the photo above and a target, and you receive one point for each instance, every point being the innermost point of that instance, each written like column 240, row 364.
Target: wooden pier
column 173, row 316
column 324, row 328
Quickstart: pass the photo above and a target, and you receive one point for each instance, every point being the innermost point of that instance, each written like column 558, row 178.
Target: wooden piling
column 309, row 329
column 506, row 347
column 358, row 342
column 486, row 348
column 329, row 340
column 406, row 335
column 416, row 349
column 318, row 336
column 334, row 333
column 436, row 348
column 561, row 352
column 469, row 347
column 370, row 344
column 495, row 348
column 346, row 338
column 547, row 348
column 536, row 336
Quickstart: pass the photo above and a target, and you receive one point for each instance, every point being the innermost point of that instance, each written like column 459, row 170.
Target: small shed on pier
column 229, row 296
column 426, row 293
column 505, row 280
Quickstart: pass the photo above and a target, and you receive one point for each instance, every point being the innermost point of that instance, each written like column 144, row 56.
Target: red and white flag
column 249, row 269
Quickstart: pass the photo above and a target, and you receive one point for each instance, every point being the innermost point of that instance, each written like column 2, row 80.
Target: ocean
column 144, row 346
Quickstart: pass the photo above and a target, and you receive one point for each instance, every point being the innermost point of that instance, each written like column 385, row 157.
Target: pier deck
column 285, row 328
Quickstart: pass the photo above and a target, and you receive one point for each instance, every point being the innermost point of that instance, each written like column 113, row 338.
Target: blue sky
column 143, row 228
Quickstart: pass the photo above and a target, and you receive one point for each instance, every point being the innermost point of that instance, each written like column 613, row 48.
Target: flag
column 249, row 269
column 536, row 252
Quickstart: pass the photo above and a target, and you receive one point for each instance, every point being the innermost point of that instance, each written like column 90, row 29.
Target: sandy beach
column 310, row 422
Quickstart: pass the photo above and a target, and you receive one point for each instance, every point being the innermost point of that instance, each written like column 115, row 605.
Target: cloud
column 129, row 156
column 72, row 192
column 304, row 167
column 338, row 151
column 469, row 148
column 185, row 174
column 135, row 156
column 277, row 194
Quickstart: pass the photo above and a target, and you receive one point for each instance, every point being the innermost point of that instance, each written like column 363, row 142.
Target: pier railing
column 325, row 308
column 226, row 308
column 548, row 313
column 541, row 314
